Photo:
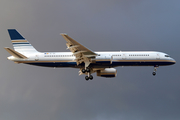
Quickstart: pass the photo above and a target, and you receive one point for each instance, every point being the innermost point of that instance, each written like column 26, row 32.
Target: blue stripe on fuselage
column 54, row 64
column 141, row 63
column 99, row 64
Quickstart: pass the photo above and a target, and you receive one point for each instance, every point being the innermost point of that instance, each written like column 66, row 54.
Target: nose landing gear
column 154, row 73
column 155, row 69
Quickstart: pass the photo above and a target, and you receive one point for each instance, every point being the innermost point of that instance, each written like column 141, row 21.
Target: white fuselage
column 103, row 60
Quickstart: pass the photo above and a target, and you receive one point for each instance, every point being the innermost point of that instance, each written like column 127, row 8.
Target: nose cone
column 173, row 61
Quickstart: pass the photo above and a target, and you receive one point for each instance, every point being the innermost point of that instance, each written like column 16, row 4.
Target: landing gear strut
column 87, row 70
column 155, row 69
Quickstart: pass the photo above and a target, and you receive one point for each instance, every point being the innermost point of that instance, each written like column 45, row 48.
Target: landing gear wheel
column 83, row 70
column 87, row 78
column 90, row 77
column 87, row 70
column 154, row 73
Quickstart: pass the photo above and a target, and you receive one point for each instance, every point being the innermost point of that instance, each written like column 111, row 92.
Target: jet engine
column 107, row 72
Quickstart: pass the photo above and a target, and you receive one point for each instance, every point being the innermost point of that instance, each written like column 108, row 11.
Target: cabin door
column 157, row 57
column 123, row 56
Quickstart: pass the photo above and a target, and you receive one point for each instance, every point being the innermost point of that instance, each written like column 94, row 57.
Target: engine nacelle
column 107, row 72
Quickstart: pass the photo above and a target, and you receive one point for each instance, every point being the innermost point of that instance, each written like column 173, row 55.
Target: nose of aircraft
column 173, row 61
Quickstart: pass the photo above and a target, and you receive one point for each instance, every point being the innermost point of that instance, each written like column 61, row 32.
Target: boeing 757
column 88, row 61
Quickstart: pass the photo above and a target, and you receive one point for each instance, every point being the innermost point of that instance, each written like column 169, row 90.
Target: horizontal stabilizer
column 15, row 53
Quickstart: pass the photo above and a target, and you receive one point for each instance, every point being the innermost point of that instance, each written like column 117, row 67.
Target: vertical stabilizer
column 20, row 44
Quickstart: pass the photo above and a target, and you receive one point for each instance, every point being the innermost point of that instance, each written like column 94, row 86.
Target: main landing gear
column 89, row 76
column 85, row 70
column 155, row 69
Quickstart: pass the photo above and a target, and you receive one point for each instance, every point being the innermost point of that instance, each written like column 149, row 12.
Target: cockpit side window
column 167, row 56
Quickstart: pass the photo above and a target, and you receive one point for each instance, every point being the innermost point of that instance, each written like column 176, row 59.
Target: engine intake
column 107, row 72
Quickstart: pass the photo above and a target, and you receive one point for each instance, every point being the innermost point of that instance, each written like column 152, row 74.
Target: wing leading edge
column 81, row 53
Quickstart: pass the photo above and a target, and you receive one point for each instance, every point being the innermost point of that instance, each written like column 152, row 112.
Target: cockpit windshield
column 167, row 55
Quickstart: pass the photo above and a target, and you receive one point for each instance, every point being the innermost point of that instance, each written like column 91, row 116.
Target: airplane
column 88, row 61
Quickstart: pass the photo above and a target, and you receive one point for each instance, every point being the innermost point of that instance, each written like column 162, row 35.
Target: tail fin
column 20, row 44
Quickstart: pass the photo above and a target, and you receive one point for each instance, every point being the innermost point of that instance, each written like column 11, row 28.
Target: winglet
column 15, row 53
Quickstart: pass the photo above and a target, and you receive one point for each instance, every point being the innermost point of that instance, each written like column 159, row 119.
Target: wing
column 81, row 53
